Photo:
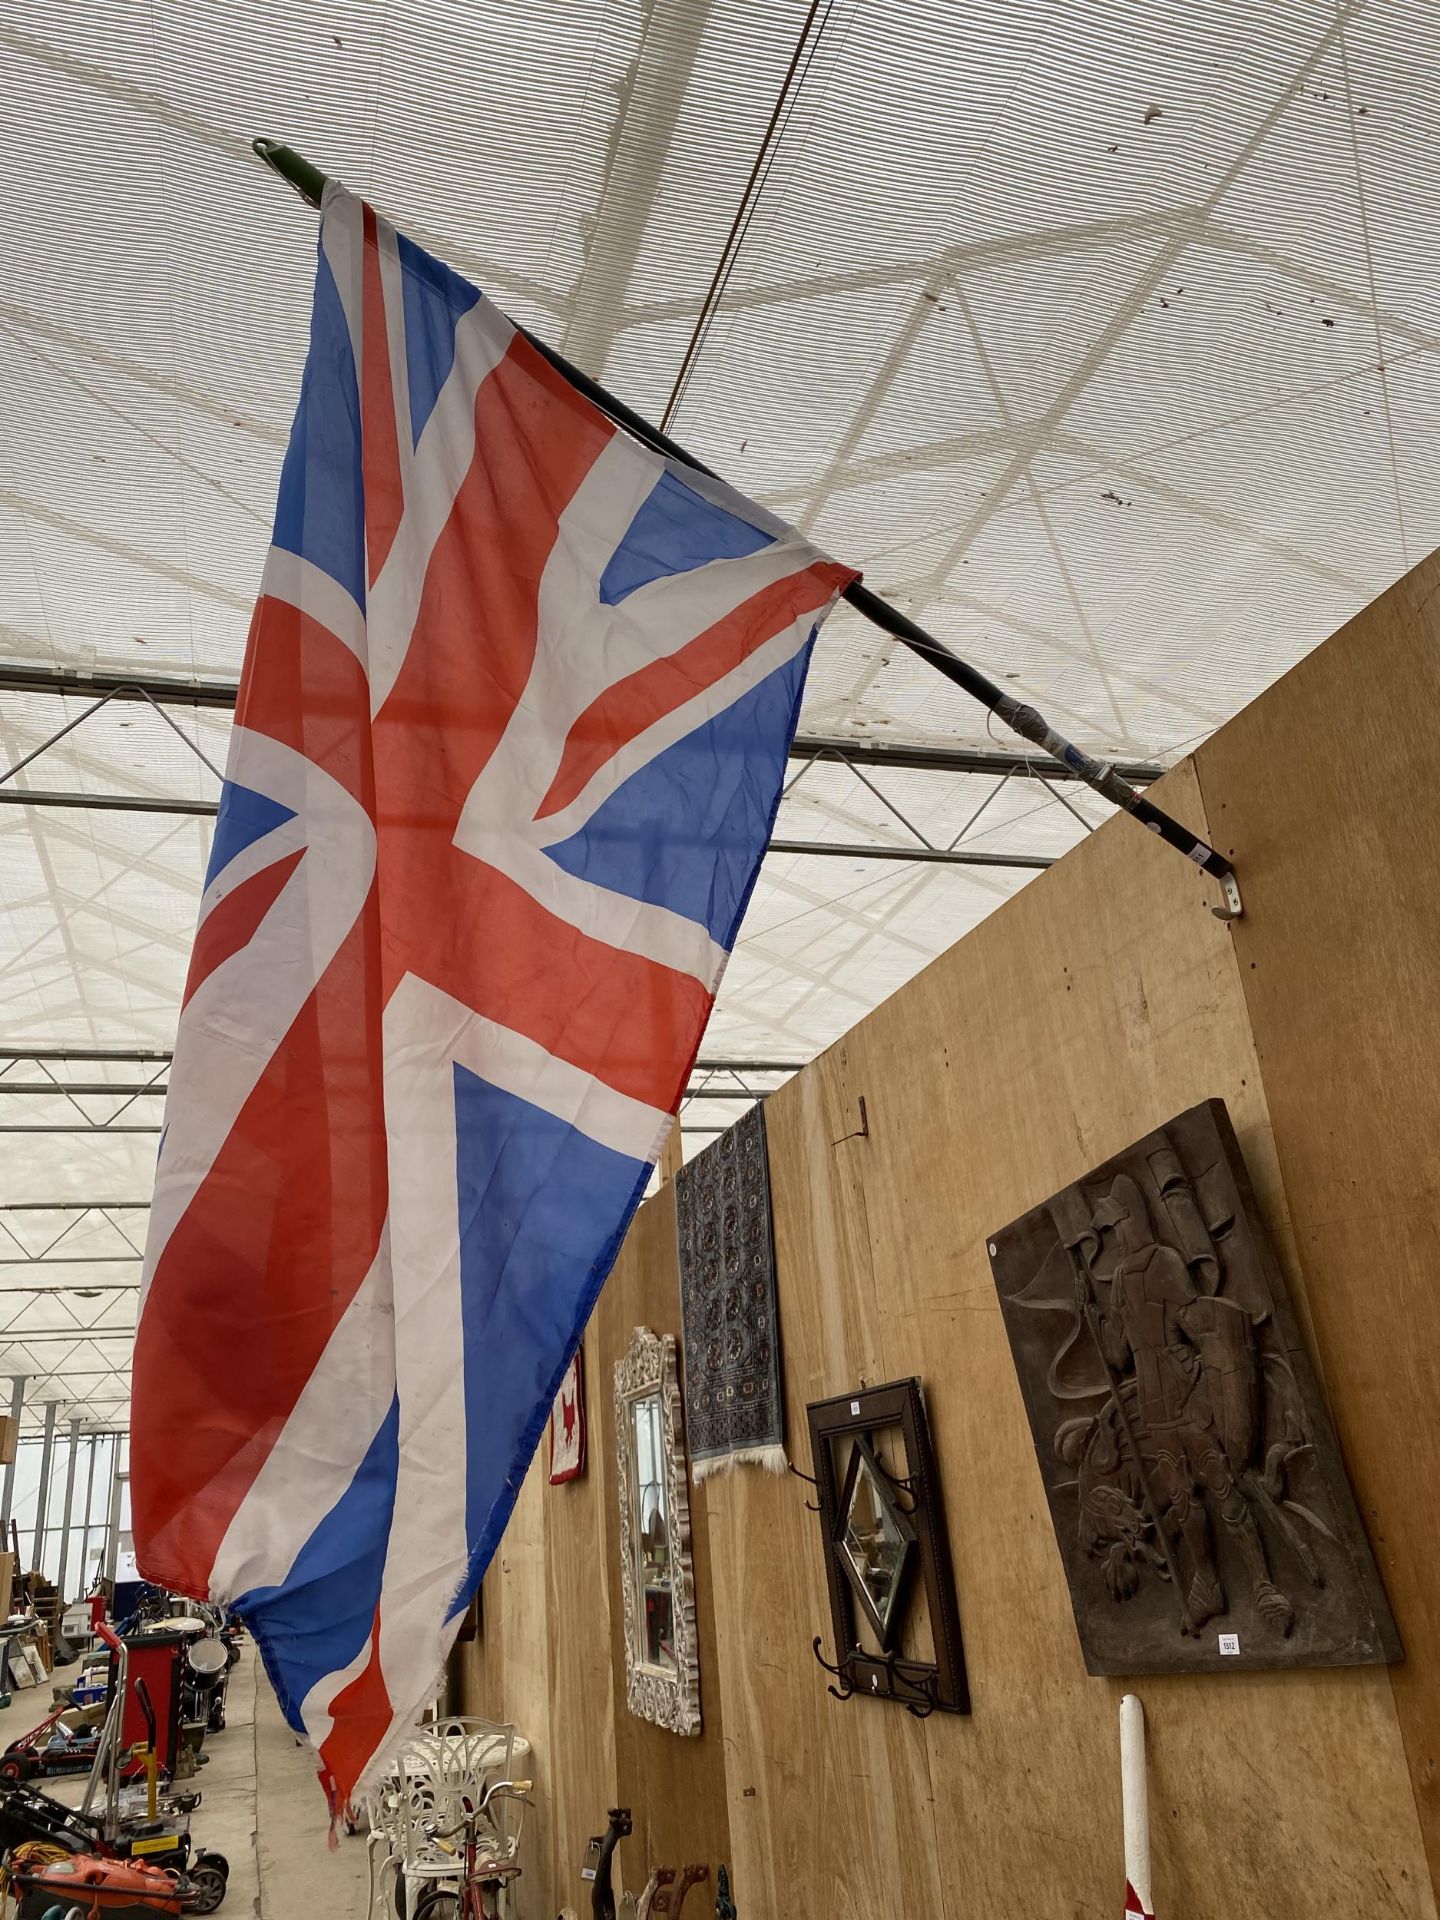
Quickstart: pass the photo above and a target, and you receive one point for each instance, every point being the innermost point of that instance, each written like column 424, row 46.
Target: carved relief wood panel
column 1191, row 1468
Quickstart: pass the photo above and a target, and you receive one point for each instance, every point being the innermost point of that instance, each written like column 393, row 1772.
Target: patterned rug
column 734, row 1399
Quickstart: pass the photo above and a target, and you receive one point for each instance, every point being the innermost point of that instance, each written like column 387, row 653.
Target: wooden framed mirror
column 662, row 1666
column 887, row 1556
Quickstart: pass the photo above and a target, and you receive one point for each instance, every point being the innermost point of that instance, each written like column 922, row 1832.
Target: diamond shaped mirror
column 877, row 1542
column 887, row 1557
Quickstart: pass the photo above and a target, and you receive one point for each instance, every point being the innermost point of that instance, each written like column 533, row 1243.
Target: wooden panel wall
column 1100, row 1001
column 577, row 1605
column 675, row 1785
column 551, row 1657
column 1327, row 788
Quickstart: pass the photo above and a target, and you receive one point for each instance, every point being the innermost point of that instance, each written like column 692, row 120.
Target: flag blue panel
column 543, row 1209
column 321, row 510
column 717, row 791
column 675, row 531
column 434, row 300
column 243, row 817
column 321, row 1618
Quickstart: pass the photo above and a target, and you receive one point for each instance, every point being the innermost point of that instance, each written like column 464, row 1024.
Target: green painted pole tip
column 293, row 167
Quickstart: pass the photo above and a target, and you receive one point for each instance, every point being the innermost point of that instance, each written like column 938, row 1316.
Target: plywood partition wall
column 550, row 1656
column 1094, row 1006
column 1327, row 788
column 1097, row 1003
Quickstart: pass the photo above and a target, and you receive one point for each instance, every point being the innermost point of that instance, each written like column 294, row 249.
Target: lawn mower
column 85, row 1885
column 28, row 1817
column 155, row 1839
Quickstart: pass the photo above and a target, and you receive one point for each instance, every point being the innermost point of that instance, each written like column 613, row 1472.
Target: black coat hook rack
column 810, row 1481
column 910, row 1682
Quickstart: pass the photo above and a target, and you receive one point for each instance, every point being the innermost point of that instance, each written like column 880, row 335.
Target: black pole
column 1031, row 725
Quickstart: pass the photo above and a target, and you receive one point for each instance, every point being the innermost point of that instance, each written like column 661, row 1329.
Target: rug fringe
column 771, row 1459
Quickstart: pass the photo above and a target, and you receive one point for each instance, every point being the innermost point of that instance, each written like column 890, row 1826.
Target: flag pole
column 1021, row 718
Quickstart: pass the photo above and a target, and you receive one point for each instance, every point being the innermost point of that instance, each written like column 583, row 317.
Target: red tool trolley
column 158, row 1660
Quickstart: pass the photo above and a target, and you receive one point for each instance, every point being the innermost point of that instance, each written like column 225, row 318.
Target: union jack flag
column 508, row 749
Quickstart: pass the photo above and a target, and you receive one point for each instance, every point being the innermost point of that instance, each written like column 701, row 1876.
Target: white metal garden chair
column 440, row 1775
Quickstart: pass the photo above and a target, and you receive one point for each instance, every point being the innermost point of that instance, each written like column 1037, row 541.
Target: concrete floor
column 262, row 1808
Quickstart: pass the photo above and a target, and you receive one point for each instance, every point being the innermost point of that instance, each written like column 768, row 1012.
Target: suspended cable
column 754, row 187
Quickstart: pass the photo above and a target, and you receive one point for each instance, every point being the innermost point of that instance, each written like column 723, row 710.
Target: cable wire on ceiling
column 806, row 48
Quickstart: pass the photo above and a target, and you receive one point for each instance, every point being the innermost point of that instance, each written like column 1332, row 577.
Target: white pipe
column 1135, row 1801
column 7, row 1497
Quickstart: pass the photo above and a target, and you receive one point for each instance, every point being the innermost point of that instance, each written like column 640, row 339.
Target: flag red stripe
column 232, row 922
column 629, row 1021
column 384, row 486
column 475, row 632
column 287, row 1221
column 625, row 709
column 281, row 1235
column 362, row 1712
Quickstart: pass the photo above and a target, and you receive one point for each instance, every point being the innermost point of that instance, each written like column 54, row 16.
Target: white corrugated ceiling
column 1103, row 335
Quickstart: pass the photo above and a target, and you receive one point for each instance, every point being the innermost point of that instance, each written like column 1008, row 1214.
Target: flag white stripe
column 299, row 583
column 516, row 1064
column 428, row 1551
column 289, row 837
column 675, row 726
column 315, row 1708
column 342, row 240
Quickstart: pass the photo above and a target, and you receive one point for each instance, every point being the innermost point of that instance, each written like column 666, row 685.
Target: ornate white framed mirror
column 662, row 1664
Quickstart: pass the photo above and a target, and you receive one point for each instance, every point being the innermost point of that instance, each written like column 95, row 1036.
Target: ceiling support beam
column 940, row 856
column 70, row 1287
column 65, row 1087
column 65, row 1259
column 112, row 1520
column 171, row 690
column 166, row 690
column 17, row 1337
column 718, row 1063
column 66, row 1206
column 705, row 1064
column 938, row 759
column 159, row 1056
column 89, row 1509
column 937, row 856
column 103, row 802
column 81, row 1289
column 69, row 1512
